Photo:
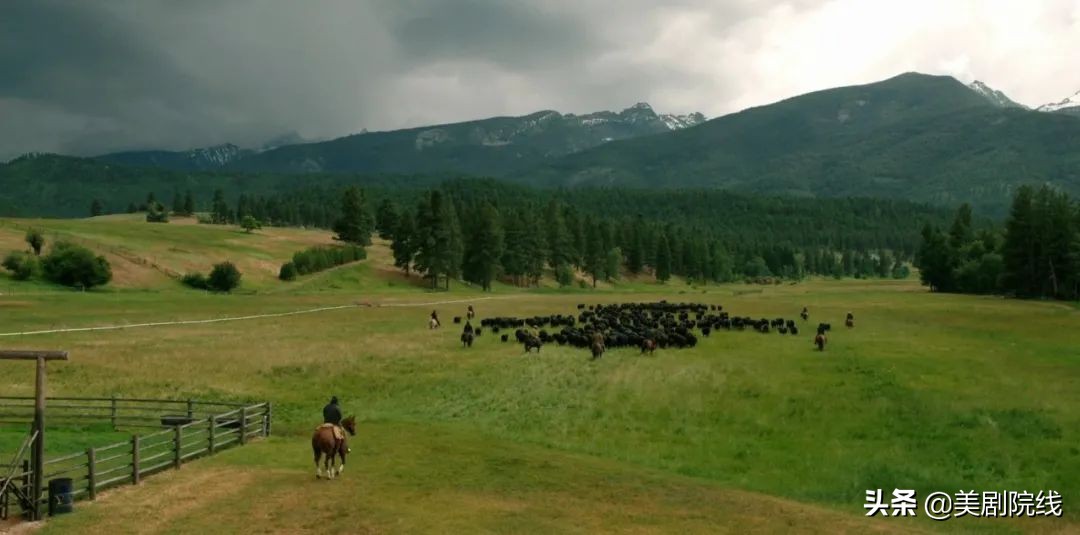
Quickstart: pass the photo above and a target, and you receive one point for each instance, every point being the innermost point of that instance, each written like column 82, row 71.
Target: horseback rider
column 331, row 414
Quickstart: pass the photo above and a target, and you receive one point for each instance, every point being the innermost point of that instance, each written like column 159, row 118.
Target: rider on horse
column 331, row 414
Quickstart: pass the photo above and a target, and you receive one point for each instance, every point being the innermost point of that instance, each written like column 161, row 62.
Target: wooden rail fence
column 192, row 429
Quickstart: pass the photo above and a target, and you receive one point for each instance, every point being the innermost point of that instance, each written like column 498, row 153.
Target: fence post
column 26, row 477
column 91, row 474
column 243, row 425
column 213, row 423
column 178, row 435
column 266, row 419
column 134, row 459
column 190, row 409
column 112, row 412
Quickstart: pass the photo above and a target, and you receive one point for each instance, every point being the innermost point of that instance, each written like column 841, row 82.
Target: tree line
column 482, row 230
column 1035, row 254
column 447, row 237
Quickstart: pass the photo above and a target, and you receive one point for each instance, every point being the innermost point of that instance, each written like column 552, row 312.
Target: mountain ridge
column 526, row 140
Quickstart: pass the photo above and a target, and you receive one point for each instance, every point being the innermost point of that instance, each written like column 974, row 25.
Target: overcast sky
column 82, row 77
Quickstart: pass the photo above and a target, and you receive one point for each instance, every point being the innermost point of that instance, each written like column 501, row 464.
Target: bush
column 156, row 213
column 22, row 266
column 204, row 219
column 76, row 266
column 223, row 278
column 288, row 272
column 195, row 280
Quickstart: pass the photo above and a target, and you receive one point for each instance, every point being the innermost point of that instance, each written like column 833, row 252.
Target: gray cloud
column 90, row 77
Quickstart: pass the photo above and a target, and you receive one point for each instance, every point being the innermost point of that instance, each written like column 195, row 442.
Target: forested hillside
column 919, row 137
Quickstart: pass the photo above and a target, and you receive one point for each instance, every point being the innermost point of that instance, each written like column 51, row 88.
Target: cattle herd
column 646, row 326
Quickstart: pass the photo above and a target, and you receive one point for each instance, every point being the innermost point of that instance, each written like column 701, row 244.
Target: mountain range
column 914, row 136
column 492, row 146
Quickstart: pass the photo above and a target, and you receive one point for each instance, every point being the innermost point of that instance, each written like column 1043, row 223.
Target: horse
column 470, row 313
column 597, row 346
column 648, row 345
column 850, row 321
column 467, row 339
column 804, row 314
column 531, row 342
column 433, row 323
column 819, row 341
column 324, row 444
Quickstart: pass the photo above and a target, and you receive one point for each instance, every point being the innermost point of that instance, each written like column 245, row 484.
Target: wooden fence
column 192, row 429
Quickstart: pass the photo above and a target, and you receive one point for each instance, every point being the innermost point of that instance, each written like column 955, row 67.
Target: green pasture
column 744, row 433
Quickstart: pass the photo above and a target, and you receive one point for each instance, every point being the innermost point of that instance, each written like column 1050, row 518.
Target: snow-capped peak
column 995, row 97
column 1070, row 102
column 678, row 122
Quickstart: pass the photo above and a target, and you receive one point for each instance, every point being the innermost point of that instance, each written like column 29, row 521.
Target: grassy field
column 745, row 433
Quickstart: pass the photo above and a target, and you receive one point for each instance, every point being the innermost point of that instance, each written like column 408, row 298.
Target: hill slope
column 926, row 138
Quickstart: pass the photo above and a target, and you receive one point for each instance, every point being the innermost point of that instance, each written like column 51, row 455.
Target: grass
column 745, row 433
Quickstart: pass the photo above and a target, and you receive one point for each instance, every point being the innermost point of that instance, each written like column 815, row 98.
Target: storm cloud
column 91, row 77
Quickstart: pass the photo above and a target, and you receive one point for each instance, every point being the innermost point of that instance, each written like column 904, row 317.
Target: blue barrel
column 61, row 498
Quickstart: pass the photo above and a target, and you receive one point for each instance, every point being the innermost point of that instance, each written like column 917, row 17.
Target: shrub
column 22, row 265
column 223, row 278
column 156, row 213
column 195, row 280
column 288, row 272
column 76, row 266
column 204, row 219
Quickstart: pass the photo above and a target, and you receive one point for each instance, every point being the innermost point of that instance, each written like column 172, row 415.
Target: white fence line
column 242, row 318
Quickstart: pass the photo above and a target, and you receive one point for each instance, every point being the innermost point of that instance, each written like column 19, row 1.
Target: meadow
column 744, row 433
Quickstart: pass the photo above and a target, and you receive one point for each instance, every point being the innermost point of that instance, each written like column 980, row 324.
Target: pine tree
column 936, row 261
column 96, row 208
column 404, row 244
column 455, row 249
column 595, row 260
column 36, row 240
column 177, row 203
column 514, row 256
column 533, row 247
column 960, row 232
column 635, row 247
column 1019, row 251
column 189, row 204
column 219, row 213
column 663, row 259
column 559, row 245
column 386, row 219
column 484, row 247
column 439, row 249
column 354, row 225
column 613, row 263
column 576, row 237
column 425, row 237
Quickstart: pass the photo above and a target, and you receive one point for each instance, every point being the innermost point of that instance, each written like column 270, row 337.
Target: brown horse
column 324, row 444
column 597, row 346
column 819, row 341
